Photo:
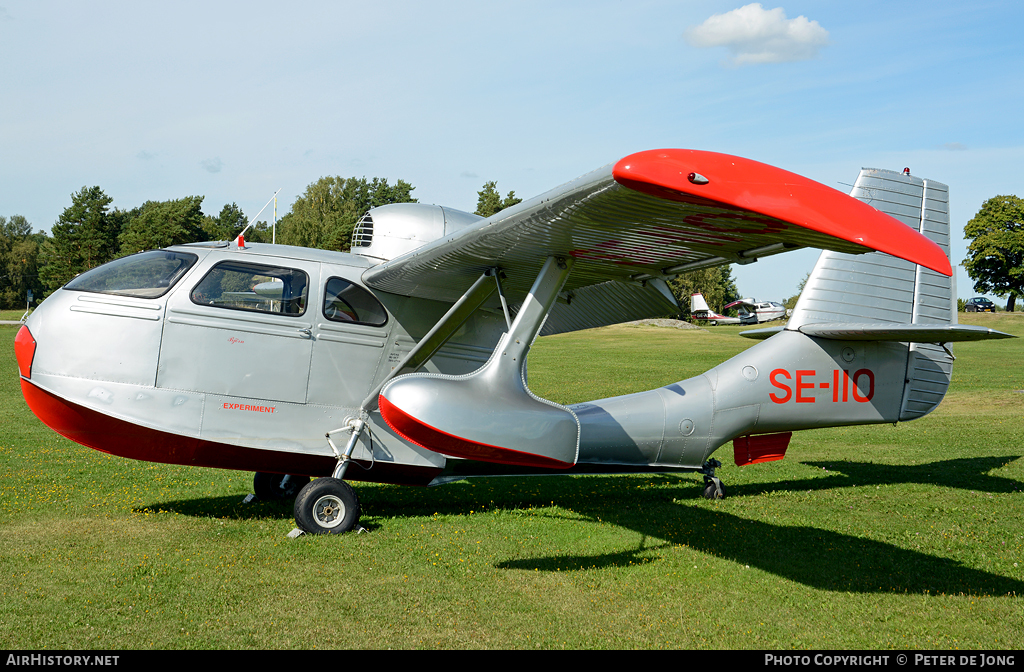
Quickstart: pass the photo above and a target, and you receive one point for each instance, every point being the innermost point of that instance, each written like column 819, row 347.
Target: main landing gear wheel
column 714, row 489
column 326, row 506
column 713, row 486
column 275, row 487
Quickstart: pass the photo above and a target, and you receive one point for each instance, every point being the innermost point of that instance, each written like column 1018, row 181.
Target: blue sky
column 234, row 100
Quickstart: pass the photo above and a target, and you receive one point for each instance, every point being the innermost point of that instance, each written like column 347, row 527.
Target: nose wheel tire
column 326, row 506
column 275, row 487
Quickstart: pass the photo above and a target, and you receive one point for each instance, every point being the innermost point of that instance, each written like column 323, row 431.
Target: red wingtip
column 767, row 190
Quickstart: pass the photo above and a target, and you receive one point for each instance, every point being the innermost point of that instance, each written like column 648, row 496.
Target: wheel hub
column 329, row 511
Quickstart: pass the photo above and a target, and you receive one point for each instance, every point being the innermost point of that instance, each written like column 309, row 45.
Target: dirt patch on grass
column 672, row 324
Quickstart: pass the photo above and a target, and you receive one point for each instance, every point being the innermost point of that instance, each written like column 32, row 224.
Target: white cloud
column 757, row 35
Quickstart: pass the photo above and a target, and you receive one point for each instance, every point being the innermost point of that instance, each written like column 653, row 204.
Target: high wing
column 650, row 216
column 746, row 303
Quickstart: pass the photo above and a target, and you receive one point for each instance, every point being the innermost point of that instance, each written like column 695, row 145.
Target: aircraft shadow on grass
column 815, row 557
column 818, row 558
column 964, row 473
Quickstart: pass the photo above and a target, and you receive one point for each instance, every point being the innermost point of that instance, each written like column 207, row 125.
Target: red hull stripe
column 118, row 437
column 431, row 438
column 757, row 187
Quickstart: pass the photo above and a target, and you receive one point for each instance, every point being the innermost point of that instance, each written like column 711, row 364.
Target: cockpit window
column 348, row 302
column 146, row 275
column 263, row 289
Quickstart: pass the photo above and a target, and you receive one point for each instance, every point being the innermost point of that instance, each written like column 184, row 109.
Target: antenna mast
column 253, row 220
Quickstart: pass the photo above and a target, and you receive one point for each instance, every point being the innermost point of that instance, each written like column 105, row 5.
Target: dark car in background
column 979, row 304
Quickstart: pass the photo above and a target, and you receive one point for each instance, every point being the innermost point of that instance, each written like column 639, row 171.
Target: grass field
column 11, row 314
column 873, row 537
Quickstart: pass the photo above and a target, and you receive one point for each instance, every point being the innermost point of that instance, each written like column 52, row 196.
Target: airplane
column 750, row 311
column 700, row 310
column 405, row 360
column 757, row 311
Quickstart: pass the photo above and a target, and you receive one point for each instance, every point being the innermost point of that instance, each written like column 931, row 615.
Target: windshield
column 146, row 275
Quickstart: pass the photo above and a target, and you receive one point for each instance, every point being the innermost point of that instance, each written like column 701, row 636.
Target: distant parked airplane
column 750, row 311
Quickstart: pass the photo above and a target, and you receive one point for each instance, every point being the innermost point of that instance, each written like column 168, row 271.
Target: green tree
column 489, row 200
column 328, row 210
column 715, row 283
column 19, row 262
column 159, row 224
column 995, row 256
column 225, row 226
column 85, row 236
column 230, row 222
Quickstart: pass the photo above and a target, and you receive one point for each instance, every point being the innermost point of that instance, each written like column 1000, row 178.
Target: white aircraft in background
column 750, row 311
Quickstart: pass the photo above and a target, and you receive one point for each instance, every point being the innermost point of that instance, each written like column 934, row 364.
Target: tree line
column 89, row 232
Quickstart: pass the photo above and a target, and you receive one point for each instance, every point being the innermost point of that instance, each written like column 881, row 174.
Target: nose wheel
column 326, row 506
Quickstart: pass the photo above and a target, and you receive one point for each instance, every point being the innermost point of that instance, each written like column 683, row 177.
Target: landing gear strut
column 713, row 486
column 329, row 505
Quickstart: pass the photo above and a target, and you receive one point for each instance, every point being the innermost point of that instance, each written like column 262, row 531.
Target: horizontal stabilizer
column 903, row 333
column 762, row 334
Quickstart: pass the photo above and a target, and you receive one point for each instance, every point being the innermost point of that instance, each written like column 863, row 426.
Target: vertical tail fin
column 878, row 288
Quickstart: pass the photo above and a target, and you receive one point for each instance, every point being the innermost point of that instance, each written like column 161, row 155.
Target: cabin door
column 244, row 330
column 352, row 329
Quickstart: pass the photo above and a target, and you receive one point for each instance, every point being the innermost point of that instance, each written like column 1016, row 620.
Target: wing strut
column 501, row 293
column 441, row 333
column 490, row 415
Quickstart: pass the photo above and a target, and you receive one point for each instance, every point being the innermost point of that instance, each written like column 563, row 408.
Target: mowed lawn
column 906, row 537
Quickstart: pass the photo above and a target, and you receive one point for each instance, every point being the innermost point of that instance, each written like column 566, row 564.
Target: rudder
column 880, row 289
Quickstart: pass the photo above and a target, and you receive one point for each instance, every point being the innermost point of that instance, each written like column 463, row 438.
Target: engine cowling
column 392, row 230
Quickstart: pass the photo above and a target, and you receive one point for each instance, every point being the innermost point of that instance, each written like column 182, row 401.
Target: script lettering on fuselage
column 797, row 386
